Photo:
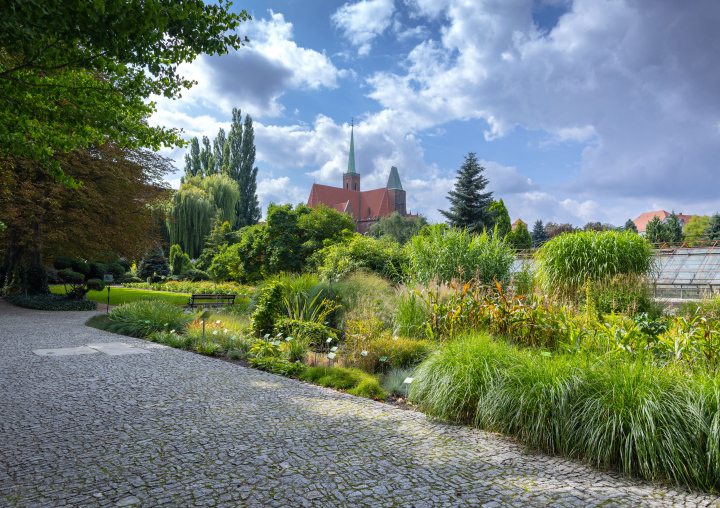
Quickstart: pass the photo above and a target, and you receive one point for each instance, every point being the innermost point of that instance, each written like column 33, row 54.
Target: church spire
column 351, row 159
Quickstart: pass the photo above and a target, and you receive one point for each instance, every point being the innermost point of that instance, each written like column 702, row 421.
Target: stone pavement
column 173, row 428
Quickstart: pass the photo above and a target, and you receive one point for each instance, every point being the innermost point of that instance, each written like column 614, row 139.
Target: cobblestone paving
column 173, row 428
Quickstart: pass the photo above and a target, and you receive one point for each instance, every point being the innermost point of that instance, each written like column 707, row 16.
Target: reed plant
column 567, row 262
column 613, row 412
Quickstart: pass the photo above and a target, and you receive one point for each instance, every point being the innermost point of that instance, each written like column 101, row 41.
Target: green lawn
column 118, row 296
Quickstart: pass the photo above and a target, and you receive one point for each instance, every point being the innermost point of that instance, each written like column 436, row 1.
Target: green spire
column 351, row 159
column 394, row 180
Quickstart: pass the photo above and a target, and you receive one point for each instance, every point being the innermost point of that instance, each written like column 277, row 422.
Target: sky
column 579, row 110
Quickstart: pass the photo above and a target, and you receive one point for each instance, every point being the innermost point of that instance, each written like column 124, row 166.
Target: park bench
column 206, row 300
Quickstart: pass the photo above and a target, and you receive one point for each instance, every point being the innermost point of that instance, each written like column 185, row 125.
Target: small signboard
column 383, row 358
column 333, row 349
column 363, row 353
column 107, row 277
column 206, row 314
column 329, row 340
column 331, row 356
column 408, row 380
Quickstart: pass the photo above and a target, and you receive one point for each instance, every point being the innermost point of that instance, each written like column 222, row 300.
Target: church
column 365, row 207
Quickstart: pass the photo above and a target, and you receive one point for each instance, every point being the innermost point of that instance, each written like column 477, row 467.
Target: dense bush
column 445, row 254
column 81, row 267
column 394, row 381
column 154, row 265
column 374, row 354
column 50, row 302
column 314, row 334
column 34, row 281
column 566, row 262
column 384, row 257
column 207, row 288
column 268, row 307
column 656, row 423
column 62, row 262
column 141, row 318
column 79, row 286
column 194, row 275
column 97, row 270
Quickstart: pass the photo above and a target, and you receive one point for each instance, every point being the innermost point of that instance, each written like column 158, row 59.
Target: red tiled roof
column 642, row 221
column 515, row 224
column 364, row 205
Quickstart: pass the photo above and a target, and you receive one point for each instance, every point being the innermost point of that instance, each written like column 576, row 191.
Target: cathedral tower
column 351, row 179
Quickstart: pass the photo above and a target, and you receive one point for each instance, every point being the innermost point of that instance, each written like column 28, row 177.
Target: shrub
column 52, row 276
column 97, row 270
column 356, row 382
column 117, row 270
column 268, row 307
column 567, row 261
column 143, row 317
column 384, row 257
column 81, row 267
column 35, row 281
column 446, row 254
column 365, row 351
column 194, row 275
column 154, row 265
column 314, row 334
column 656, row 423
column 50, row 302
column 62, row 262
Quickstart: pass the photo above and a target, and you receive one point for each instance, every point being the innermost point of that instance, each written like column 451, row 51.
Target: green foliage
column 630, row 226
column 207, row 288
column 97, row 270
column 154, row 265
column 356, row 382
column 695, row 229
column 469, row 207
column 50, row 302
column 520, row 238
column 624, row 293
column 80, row 266
column 564, row 264
column 78, row 72
column 309, row 332
column 500, row 219
column 322, row 227
column 79, row 286
column 119, row 296
column 645, row 421
column 656, row 232
column 410, row 316
column 62, row 262
column 673, row 228
column 269, row 304
column 712, row 231
column 398, row 228
column 194, row 275
column 141, row 318
column 243, row 261
column 394, row 381
column 218, row 236
column 448, row 254
column 248, row 207
column 399, row 352
column 34, row 281
column 539, row 235
column 384, row 257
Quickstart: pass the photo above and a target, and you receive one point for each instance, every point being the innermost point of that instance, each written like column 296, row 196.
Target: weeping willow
column 195, row 206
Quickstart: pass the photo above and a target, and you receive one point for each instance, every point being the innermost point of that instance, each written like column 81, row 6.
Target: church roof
column 394, row 180
column 362, row 205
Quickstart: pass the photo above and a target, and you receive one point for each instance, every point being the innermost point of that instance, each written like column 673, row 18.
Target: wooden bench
column 203, row 300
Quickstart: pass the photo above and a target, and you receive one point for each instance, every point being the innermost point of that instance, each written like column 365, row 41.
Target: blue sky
column 580, row 110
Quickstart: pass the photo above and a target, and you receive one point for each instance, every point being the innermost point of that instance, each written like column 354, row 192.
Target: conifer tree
column 500, row 219
column 521, row 237
column 655, row 231
column 673, row 228
column 712, row 231
column 469, row 206
column 630, row 226
column 248, row 207
column 193, row 166
column 539, row 235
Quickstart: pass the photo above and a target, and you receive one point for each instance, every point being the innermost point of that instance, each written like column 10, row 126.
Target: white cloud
column 280, row 191
column 363, row 21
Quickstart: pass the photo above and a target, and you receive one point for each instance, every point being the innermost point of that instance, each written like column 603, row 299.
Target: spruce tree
column 248, row 207
column 673, row 228
column 712, row 231
column 500, row 218
column 655, row 231
column 630, row 226
column 469, row 206
column 192, row 160
column 539, row 235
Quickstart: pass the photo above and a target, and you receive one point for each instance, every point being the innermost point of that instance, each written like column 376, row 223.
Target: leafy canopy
column 74, row 72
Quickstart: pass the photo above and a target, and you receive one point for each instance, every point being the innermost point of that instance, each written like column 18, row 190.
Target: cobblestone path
column 172, row 428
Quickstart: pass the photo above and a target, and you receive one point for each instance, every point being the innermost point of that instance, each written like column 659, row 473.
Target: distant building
column 642, row 221
column 365, row 207
column 515, row 224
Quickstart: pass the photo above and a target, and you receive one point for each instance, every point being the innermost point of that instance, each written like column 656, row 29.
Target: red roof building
column 366, row 207
column 514, row 225
column 642, row 221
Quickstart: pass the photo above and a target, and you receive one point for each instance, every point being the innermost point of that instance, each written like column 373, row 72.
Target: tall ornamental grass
column 447, row 254
column 655, row 423
column 141, row 318
column 566, row 262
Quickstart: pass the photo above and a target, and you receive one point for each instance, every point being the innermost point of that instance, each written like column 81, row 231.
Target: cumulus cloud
column 363, row 21
column 635, row 80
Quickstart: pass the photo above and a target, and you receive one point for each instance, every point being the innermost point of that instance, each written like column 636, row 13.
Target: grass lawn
column 118, row 296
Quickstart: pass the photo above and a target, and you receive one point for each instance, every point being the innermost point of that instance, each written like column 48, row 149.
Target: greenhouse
column 688, row 272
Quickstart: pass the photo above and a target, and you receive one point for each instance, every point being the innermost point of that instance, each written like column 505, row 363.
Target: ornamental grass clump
column 657, row 423
column 447, row 254
column 567, row 262
column 141, row 318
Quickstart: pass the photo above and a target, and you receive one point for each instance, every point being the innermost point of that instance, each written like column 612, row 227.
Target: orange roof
column 360, row 204
column 642, row 221
column 515, row 224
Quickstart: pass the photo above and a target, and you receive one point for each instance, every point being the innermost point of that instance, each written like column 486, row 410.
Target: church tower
column 351, row 179
column 396, row 192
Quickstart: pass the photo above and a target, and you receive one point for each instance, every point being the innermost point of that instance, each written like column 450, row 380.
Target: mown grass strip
column 119, row 296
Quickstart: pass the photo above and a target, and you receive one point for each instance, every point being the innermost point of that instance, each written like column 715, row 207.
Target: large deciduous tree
column 248, row 209
column 469, row 206
column 712, row 231
column 74, row 73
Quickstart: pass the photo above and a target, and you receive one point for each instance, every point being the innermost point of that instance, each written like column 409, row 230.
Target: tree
column 695, row 229
column 655, row 231
column 397, row 227
column 114, row 211
column 552, row 229
column 673, row 228
column 630, row 226
column 539, row 236
column 179, row 262
column 74, row 73
column 154, row 265
column 520, row 238
column 195, row 206
column 206, row 158
column 248, row 209
column 193, row 165
column 218, row 152
column 712, row 231
column 469, row 207
column 219, row 236
column 500, row 219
